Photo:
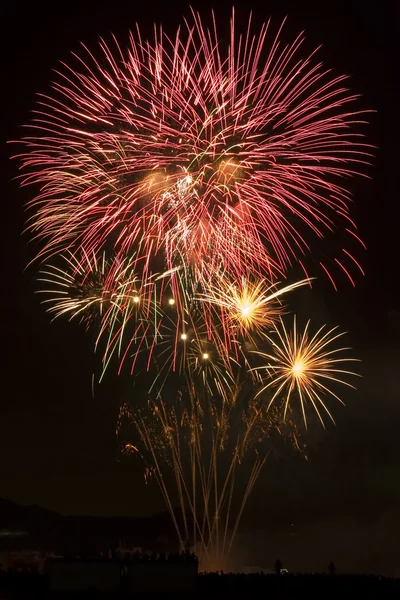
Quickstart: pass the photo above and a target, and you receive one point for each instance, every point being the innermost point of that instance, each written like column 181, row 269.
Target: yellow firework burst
column 306, row 366
column 88, row 286
column 248, row 306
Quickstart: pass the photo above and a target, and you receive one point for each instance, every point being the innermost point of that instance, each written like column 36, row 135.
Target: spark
column 298, row 369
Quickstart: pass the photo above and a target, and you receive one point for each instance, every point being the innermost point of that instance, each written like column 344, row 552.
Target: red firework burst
column 184, row 149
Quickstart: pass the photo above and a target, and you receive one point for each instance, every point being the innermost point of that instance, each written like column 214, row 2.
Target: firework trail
column 206, row 443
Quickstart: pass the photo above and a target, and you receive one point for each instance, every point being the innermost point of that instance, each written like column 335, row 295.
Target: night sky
column 57, row 443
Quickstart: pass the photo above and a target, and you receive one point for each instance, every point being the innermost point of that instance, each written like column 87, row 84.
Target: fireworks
column 179, row 180
column 182, row 148
column 88, row 288
column 205, row 444
column 247, row 306
column 305, row 366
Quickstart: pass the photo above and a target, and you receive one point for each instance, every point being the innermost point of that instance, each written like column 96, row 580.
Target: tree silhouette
column 331, row 568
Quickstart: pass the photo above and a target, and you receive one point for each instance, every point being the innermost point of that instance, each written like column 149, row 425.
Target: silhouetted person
column 331, row 568
column 278, row 566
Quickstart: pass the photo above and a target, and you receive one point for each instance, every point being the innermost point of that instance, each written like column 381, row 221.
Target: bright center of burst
column 297, row 368
column 183, row 336
column 246, row 310
column 205, row 355
column 136, row 299
column 171, row 301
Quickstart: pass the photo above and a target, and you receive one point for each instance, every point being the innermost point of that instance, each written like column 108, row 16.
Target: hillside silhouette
column 53, row 532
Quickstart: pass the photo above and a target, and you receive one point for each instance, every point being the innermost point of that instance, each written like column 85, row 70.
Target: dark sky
column 57, row 442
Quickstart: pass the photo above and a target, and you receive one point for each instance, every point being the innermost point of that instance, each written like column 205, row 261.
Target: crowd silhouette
column 223, row 586
column 297, row 585
column 136, row 557
column 172, row 558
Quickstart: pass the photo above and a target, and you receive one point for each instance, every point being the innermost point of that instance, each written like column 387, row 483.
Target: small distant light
column 183, row 336
column 136, row 299
column 171, row 301
column 205, row 355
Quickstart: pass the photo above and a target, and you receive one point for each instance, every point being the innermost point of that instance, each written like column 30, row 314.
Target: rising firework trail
column 216, row 449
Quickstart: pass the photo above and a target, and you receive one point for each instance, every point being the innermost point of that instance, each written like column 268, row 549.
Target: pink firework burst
column 212, row 155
